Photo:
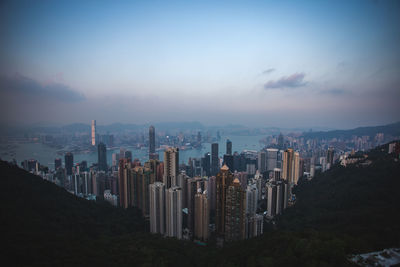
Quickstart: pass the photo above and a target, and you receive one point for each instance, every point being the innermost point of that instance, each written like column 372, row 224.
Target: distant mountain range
column 390, row 129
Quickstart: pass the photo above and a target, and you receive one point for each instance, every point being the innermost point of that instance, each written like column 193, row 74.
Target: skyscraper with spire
column 93, row 132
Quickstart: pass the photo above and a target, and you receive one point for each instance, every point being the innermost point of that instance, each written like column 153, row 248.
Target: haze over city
column 258, row 63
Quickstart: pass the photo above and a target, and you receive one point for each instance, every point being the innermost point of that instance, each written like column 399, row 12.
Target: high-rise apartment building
column 223, row 179
column 94, row 132
column 173, row 212
column 235, row 209
column 202, row 215
column 171, row 167
column 330, row 156
column 157, row 208
column 124, row 182
column 193, row 185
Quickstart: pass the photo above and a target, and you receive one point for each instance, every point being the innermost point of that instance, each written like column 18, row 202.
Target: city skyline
column 286, row 64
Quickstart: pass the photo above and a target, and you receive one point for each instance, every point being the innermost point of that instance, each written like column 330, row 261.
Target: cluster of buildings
column 228, row 198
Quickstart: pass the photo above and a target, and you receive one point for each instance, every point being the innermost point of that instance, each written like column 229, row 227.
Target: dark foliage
column 343, row 211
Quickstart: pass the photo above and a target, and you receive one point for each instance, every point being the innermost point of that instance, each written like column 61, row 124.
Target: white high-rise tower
column 93, row 132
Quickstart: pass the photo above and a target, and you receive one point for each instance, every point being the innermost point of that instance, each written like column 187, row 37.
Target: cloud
column 268, row 71
column 292, row 81
column 19, row 84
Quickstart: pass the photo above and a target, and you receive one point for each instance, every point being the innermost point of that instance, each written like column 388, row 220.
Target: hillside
column 340, row 212
column 390, row 129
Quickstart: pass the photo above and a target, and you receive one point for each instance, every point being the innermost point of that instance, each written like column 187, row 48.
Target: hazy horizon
column 285, row 64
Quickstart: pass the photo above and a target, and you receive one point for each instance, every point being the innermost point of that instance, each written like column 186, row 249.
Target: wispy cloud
column 292, row 81
column 29, row 87
column 268, row 71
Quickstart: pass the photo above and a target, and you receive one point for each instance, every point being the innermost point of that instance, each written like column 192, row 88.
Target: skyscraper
column 205, row 164
column 193, row 185
column 173, row 212
column 102, row 157
column 228, row 160
column 228, row 147
column 57, row 163
column 262, row 160
column 152, row 142
column 223, row 180
column 124, row 174
column 329, row 156
column 202, row 215
column 251, row 200
column 157, row 208
column 93, row 132
column 235, row 208
column 214, row 159
column 287, row 165
column 271, row 199
column 69, row 162
column 272, row 157
column 171, row 166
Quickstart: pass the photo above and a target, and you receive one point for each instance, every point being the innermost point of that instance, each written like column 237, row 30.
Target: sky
column 257, row 63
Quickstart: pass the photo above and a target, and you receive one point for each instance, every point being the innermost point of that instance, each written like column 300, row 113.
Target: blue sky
column 258, row 63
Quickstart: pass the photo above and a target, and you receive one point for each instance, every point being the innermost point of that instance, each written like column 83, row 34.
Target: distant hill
column 339, row 212
column 390, row 129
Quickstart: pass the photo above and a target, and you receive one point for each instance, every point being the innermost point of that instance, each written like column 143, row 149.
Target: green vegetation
column 340, row 212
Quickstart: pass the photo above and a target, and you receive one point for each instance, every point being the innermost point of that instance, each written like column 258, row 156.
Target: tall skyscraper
column 157, row 208
column 193, row 185
column 251, row 200
column 214, row 159
column 173, row 212
column 128, row 155
column 271, row 199
column 124, row 174
column 211, row 192
column 93, row 132
column 141, row 180
column 235, row 208
column 329, row 156
column 205, row 164
column 69, row 162
column 171, row 166
column 287, row 165
column 272, row 157
column 281, row 141
column 115, row 159
column 228, row 147
column 228, row 160
column 57, row 163
column 152, row 142
column 223, row 180
column 262, row 160
column 202, row 215
column 102, row 157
